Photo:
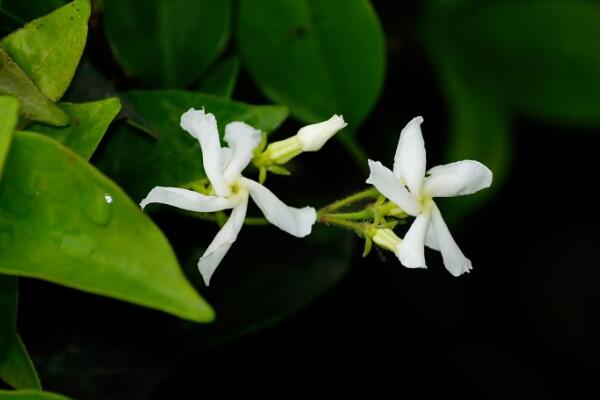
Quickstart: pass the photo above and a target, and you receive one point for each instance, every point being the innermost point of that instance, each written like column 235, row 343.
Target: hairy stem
column 370, row 193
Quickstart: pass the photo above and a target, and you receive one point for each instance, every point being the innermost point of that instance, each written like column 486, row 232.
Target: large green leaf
column 48, row 49
column 89, row 122
column 167, row 43
column 255, row 288
column 479, row 122
column 30, row 395
column 70, row 225
column 220, row 81
column 35, row 106
column 139, row 162
column 317, row 57
column 9, row 115
column 542, row 57
column 16, row 367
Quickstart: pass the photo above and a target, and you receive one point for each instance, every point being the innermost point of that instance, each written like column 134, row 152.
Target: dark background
column 522, row 324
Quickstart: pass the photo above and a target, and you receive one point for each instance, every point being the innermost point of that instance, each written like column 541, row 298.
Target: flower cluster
column 405, row 191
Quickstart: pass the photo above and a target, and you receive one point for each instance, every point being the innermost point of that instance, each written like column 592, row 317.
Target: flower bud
column 313, row 137
column 387, row 239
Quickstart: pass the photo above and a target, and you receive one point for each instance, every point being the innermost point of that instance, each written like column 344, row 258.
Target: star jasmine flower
column 410, row 188
column 223, row 167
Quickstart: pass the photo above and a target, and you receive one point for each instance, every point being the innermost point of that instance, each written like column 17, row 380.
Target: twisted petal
column 457, row 179
column 389, row 185
column 454, row 260
column 220, row 245
column 186, row 200
column 412, row 249
column 410, row 158
column 243, row 139
column 203, row 126
column 295, row 221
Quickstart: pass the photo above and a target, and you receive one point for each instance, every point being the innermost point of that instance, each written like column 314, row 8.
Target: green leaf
column 542, row 57
column 479, row 123
column 317, row 57
column 30, row 395
column 89, row 122
column 16, row 367
column 220, row 81
column 479, row 130
column 8, row 313
column 139, row 162
column 9, row 116
column 48, row 49
column 165, row 43
column 34, row 105
column 253, row 288
column 70, row 225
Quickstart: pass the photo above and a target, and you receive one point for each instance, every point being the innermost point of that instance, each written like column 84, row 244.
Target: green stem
column 329, row 220
column 336, row 205
column 364, row 214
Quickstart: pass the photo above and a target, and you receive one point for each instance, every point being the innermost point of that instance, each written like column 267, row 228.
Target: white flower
column 223, row 168
column 313, row 137
column 409, row 188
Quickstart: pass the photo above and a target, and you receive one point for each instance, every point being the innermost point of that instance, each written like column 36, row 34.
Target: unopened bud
column 387, row 239
column 313, row 137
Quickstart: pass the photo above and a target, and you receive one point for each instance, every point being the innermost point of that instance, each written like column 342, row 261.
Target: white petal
column 295, row 221
column 243, row 139
column 454, row 259
column 222, row 242
column 390, row 186
column 457, row 179
column 412, row 249
column 430, row 240
column 203, row 126
column 186, row 199
column 410, row 158
column 226, row 156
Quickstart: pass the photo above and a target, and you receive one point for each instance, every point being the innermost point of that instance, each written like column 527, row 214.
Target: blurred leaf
column 542, row 57
column 479, row 124
column 478, row 131
column 30, row 395
column 89, row 122
column 220, row 81
column 139, row 162
column 317, row 57
column 35, row 106
column 168, row 44
column 8, row 313
column 90, row 85
column 9, row 115
column 30, row 9
column 70, row 225
column 16, row 367
column 253, row 289
column 48, row 49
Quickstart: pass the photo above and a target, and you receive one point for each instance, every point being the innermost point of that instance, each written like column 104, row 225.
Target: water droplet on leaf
column 97, row 207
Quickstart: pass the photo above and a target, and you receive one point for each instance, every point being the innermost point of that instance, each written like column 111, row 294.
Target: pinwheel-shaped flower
column 410, row 189
column 223, row 167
